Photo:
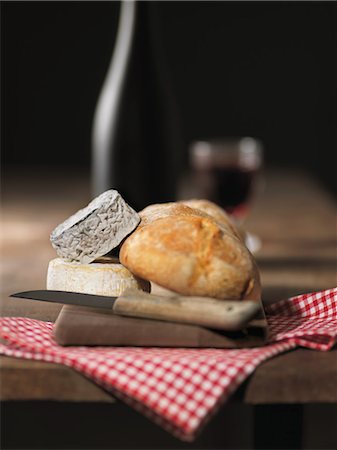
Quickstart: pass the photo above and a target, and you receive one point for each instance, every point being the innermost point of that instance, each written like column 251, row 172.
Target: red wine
column 232, row 187
column 225, row 171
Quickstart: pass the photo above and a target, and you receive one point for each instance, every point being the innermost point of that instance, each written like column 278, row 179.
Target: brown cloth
column 78, row 325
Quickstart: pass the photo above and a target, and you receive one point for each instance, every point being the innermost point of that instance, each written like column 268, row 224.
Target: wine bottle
column 137, row 142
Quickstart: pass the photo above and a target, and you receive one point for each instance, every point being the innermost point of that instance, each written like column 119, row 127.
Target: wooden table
column 295, row 219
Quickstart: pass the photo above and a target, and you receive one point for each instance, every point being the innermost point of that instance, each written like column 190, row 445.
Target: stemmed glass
column 226, row 172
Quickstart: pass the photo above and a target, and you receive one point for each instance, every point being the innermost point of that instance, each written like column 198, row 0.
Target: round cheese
column 105, row 276
column 96, row 229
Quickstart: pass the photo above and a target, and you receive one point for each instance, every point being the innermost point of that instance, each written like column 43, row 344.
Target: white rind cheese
column 96, row 229
column 104, row 277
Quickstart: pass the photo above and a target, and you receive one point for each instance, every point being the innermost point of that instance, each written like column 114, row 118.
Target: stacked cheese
column 83, row 239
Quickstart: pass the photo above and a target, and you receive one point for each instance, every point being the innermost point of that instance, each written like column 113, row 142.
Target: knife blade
column 68, row 298
column 228, row 315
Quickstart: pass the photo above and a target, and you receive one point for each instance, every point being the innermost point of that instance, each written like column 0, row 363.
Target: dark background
column 261, row 69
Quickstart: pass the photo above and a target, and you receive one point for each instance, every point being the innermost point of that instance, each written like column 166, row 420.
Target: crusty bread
column 203, row 208
column 186, row 251
column 161, row 210
column 214, row 211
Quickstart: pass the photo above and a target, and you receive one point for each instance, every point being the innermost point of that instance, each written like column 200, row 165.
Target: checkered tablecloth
column 179, row 389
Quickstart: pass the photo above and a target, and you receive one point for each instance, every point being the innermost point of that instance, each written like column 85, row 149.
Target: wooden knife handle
column 208, row 312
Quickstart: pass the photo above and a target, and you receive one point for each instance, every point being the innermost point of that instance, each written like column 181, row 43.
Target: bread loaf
column 186, row 251
column 161, row 210
column 214, row 211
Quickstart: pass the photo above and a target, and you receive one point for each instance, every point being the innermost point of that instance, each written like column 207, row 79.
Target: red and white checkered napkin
column 180, row 389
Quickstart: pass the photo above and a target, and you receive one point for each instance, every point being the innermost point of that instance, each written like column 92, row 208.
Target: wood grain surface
column 292, row 215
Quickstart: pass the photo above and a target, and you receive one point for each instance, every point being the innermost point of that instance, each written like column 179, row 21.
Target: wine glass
column 226, row 172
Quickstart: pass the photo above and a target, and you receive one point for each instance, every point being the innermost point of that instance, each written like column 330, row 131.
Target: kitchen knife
column 228, row 315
